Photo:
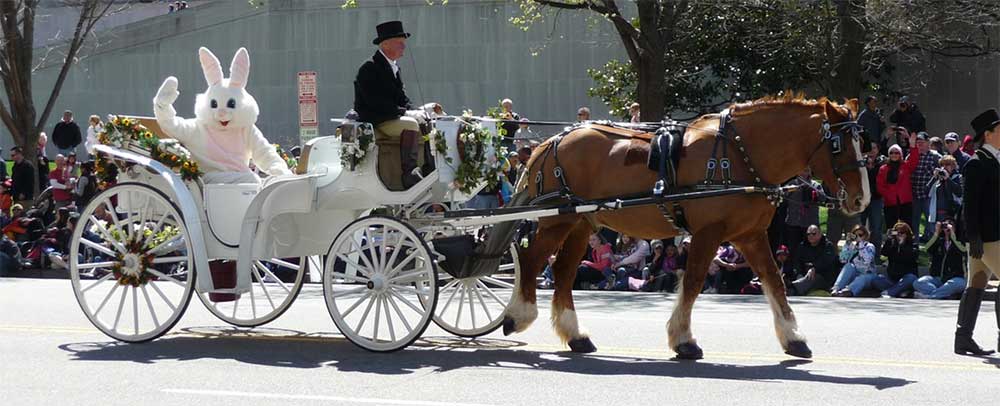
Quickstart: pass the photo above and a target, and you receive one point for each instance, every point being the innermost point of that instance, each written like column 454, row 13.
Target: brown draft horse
column 782, row 136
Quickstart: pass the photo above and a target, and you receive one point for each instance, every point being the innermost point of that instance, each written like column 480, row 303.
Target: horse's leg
column 564, row 269
column 700, row 255
column 523, row 308
column 757, row 252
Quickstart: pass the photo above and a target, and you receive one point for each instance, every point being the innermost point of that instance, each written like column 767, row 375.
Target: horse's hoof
column 799, row 349
column 689, row 351
column 508, row 326
column 582, row 345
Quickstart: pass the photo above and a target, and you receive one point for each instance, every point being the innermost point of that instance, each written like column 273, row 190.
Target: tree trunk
column 651, row 87
column 847, row 81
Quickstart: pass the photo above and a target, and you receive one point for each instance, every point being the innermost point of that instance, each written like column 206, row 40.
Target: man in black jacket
column 981, row 212
column 909, row 116
column 815, row 264
column 20, row 175
column 66, row 135
column 380, row 99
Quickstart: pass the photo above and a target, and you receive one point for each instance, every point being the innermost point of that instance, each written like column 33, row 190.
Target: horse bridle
column 836, row 142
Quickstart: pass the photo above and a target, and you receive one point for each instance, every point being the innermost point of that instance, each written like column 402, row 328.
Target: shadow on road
column 290, row 349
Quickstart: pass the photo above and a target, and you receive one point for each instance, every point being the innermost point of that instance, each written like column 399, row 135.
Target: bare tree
column 18, row 65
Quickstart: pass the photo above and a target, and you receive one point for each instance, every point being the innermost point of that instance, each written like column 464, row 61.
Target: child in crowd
column 661, row 273
column 593, row 270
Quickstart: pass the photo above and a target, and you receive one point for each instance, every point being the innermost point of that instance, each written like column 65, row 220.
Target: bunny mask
column 223, row 137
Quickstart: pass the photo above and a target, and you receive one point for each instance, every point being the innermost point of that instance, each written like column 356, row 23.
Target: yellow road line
column 453, row 342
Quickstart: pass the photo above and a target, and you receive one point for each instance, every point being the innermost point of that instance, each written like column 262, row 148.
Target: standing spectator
column 66, row 134
column 95, row 127
column 947, row 272
column 20, row 175
column 802, row 212
column 59, row 181
column 86, row 186
column 858, row 257
column 730, row 270
column 593, row 270
column 508, row 114
column 524, row 136
column 893, row 184
column 633, row 112
column 981, row 212
column 922, row 177
column 945, row 191
column 71, row 165
column 968, row 146
column 909, row 116
column 901, row 250
column 43, row 162
column 872, row 217
column 628, row 263
column 583, row 114
column 3, row 167
column 815, row 264
column 872, row 121
column 953, row 148
column 6, row 199
column 782, row 258
column 43, row 143
column 937, row 145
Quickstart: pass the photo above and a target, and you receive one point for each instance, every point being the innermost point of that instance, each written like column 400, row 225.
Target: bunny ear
column 239, row 70
column 210, row 66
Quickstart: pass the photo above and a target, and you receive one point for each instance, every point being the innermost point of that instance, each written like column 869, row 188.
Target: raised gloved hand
column 168, row 92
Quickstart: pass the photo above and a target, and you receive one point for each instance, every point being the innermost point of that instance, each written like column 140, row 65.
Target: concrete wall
column 464, row 55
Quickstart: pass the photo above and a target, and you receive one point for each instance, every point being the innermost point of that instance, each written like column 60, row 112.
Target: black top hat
column 390, row 29
column 984, row 122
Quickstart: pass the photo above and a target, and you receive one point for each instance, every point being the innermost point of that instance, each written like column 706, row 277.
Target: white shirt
column 392, row 62
column 993, row 150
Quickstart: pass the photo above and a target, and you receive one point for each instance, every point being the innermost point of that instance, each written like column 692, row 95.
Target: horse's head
column 839, row 161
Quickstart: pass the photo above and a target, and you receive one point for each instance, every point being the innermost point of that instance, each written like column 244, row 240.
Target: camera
column 940, row 172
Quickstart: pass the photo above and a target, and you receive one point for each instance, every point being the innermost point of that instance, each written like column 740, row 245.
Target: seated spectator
column 548, row 280
column 628, row 263
column 593, row 271
column 815, row 264
column 729, row 270
column 6, row 198
column 858, row 257
column 947, row 272
column 945, row 191
column 781, row 259
column 10, row 256
column 661, row 273
column 901, row 250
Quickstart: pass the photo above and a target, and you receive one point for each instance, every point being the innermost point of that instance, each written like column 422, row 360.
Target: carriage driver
column 380, row 99
column 981, row 212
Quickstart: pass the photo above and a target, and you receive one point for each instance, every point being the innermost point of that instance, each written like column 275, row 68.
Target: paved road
column 868, row 351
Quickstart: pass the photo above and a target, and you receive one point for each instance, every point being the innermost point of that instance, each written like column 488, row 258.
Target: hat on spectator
column 782, row 249
column 904, row 99
column 657, row 243
column 17, row 206
column 922, row 135
column 896, row 148
column 984, row 122
column 686, row 240
column 952, row 136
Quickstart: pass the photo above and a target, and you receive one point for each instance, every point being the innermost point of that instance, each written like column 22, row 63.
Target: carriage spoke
column 236, row 305
column 364, row 258
column 104, row 232
column 164, row 276
column 166, row 246
column 492, row 294
column 360, row 268
column 378, row 315
column 461, row 303
column 356, row 304
column 482, row 302
column 93, row 265
column 409, row 258
column 408, row 277
column 121, row 306
column 388, row 319
column 501, row 283
column 169, row 260
column 110, row 209
column 263, row 286
column 135, row 309
column 349, row 291
column 149, row 304
column 406, row 301
column 452, row 297
column 102, row 249
column 98, row 282
column 276, row 280
column 352, row 278
column 364, row 316
column 285, row 264
column 164, row 297
column 159, row 223
column 395, row 252
column 106, row 298
column 400, row 314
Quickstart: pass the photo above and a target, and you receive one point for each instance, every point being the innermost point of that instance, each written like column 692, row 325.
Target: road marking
column 432, row 343
column 285, row 396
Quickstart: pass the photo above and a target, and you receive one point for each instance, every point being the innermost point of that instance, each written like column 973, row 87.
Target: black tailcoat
column 378, row 93
column 981, row 200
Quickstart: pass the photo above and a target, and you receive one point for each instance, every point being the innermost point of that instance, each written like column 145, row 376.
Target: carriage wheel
column 134, row 243
column 269, row 296
column 380, row 284
column 473, row 307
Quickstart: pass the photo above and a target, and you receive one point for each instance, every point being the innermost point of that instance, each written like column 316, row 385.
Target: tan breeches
column 389, row 161
column 980, row 269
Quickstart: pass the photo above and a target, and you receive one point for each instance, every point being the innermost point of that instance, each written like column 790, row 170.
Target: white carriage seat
column 225, row 206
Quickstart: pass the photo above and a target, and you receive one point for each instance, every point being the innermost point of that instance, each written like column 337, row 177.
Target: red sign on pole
column 307, row 85
column 308, row 106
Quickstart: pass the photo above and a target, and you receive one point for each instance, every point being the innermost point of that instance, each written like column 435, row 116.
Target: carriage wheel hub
column 131, row 265
column 377, row 283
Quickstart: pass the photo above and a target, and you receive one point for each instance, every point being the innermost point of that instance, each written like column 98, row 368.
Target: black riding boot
column 968, row 310
column 408, row 148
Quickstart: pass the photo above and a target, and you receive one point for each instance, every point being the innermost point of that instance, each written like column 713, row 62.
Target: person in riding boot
column 380, row 99
column 981, row 212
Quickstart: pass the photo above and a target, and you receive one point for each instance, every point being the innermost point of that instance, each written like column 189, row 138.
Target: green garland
column 121, row 132
column 291, row 161
column 353, row 152
column 479, row 162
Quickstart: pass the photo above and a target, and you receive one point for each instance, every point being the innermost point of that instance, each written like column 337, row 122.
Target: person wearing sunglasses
column 901, row 250
column 858, row 257
column 815, row 264
column 895, row 186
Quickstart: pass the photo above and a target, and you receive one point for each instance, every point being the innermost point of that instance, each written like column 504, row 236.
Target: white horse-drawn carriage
column 142, row 248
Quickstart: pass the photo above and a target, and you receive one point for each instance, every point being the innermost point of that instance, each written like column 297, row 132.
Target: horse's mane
column 787, row 98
